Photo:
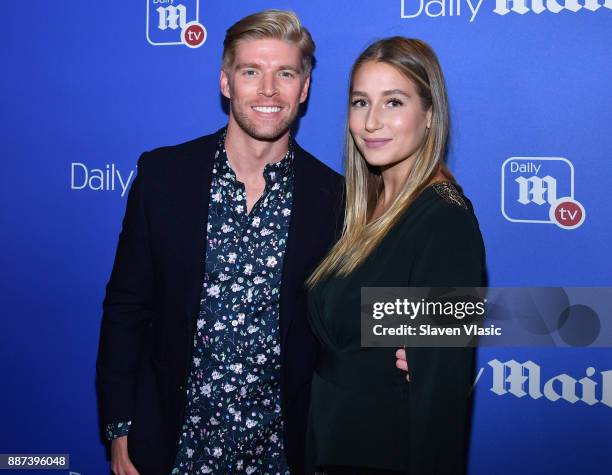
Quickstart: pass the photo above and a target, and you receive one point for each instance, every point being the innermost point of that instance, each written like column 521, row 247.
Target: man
column 205, row 354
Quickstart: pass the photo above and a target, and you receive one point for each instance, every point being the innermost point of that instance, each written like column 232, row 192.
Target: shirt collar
column 273, row 172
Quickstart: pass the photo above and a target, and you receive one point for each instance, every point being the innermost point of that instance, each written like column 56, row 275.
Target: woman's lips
column 376, row 143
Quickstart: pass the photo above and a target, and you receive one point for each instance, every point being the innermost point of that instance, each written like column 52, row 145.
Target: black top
column 363, row 411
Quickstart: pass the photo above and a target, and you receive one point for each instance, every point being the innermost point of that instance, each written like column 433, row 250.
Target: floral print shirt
column 233, row 421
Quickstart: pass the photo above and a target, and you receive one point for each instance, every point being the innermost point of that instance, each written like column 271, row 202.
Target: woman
column 406, row 224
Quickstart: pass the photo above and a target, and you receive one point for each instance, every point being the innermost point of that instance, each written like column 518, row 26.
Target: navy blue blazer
column 152, row 297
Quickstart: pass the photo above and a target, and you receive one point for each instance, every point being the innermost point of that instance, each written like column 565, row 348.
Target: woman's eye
column 395, row 103
column 358, row 103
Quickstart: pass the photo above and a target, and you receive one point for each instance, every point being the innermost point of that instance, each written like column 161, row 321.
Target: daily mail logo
column 175, row 22
column 540, row 190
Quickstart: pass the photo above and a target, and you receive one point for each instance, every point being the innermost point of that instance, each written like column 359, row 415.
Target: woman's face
column 386, row 117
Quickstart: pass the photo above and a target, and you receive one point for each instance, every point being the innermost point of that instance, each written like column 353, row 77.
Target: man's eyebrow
column 289, row 67
column 284, row 67
column 247, row 65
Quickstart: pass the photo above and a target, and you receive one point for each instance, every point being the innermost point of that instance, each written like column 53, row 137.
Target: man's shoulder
column 316, row 169
column 195, row 150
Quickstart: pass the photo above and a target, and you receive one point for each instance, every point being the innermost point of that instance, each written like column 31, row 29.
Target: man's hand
column 401, row 362
column 120, row 460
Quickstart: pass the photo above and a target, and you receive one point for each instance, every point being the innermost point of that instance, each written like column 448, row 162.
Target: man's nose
column 268, row 86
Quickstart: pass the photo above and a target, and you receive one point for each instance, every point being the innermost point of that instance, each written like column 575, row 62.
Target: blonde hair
column 269, row 24
column 417, row 61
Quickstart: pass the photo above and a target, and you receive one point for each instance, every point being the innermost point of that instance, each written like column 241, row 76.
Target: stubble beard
column 252, row 129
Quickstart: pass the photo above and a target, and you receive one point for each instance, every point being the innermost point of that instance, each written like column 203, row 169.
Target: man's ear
column 305, row 88
column 224, row 82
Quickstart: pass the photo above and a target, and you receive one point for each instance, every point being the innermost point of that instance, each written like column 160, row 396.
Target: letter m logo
column 530, row 187
column 533, row 190
column 167, row 18
column 172, row 17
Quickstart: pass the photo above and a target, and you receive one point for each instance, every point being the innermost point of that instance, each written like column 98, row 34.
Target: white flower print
column 232, row 387
column 213, row 291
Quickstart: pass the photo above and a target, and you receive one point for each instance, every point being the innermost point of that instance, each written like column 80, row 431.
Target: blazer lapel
column 197, row 188
column 294, row 260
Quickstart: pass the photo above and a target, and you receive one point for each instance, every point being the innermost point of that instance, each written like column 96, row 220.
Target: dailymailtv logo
column 175, row 22
column 540, row 190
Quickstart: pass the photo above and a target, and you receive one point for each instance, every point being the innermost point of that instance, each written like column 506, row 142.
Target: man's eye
column 287, row 74
column 249, row 72
column 358, row 103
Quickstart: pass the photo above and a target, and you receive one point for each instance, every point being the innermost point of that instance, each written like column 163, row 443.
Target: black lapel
column 295, row 261
column 198, row 189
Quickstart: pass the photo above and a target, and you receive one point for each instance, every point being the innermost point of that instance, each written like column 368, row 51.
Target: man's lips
column 376, row 143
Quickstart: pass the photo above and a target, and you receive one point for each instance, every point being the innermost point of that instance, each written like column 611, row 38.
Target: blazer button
column 181, row 387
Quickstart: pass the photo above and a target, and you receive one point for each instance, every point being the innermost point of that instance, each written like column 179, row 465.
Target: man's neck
column 248, row 156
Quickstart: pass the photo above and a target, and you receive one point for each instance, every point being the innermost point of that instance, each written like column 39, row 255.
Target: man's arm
column 127, row 312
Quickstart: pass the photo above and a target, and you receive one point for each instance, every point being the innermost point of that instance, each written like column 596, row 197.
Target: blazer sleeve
column 127, row 309
column 441, row 378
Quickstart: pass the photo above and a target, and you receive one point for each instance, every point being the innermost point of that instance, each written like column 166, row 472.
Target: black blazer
column 152, row 298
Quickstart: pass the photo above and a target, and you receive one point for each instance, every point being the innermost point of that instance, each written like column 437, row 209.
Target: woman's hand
column 401, row 361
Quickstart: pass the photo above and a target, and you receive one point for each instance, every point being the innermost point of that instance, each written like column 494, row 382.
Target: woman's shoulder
column 442, row 203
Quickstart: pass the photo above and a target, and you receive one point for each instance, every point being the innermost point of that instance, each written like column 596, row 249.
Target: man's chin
column 269, row 133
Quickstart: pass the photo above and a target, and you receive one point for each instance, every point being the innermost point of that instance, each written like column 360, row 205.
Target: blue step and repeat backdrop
column 88, row 85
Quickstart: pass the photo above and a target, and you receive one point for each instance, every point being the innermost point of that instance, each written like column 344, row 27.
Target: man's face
column 265, row 85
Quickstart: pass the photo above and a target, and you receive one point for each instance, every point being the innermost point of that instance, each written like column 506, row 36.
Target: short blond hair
column 269, row 24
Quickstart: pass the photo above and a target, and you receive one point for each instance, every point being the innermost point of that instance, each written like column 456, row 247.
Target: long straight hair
column 360, row 235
